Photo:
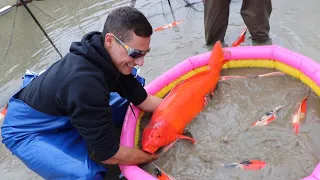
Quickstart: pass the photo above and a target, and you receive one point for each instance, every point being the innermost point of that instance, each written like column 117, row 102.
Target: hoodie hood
column 92, row 49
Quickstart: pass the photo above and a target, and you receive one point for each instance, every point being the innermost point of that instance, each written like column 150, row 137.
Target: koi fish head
column 157, row 136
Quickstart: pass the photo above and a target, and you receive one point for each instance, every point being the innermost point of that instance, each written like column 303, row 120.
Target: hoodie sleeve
column 133, row 90
column 87, row 102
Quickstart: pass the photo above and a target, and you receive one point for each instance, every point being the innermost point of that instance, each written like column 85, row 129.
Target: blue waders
column 48, row 144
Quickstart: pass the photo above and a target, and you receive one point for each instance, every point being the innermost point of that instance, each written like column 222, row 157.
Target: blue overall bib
column 50, row 145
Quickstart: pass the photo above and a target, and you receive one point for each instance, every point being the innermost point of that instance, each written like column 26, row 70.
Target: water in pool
column 224, row 132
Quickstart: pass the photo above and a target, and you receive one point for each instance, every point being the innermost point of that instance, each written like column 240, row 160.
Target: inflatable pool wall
column 298, row 66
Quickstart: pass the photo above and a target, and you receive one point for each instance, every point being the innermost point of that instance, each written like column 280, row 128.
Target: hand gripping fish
column 184, row 102
column 268, row 117
column 299, row 115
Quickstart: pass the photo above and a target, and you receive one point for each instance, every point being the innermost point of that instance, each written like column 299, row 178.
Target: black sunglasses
column 134, row 53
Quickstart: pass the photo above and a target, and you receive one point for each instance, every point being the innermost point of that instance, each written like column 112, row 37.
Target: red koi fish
column 184, row 102
column 253, row 165
column 240, row 39
column 299, row 115
column 268, row 117
column 168, row 26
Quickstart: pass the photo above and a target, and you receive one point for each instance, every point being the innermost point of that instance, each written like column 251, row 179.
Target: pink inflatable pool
column 296, row 65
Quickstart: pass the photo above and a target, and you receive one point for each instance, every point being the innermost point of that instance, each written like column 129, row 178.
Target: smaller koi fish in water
column 168, row 26
column 270, row 74
column 3, row 112
column 268, row 117
column 254, row 165
column 224, row 78
column 299, row 115
column 161, row 175
column 240, row 39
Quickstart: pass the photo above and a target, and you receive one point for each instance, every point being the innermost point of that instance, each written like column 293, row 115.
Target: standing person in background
column 255, row 14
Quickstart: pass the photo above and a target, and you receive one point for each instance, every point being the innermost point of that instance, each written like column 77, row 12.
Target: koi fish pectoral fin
column 207, row 99
column 187, row 137
column 187, row 133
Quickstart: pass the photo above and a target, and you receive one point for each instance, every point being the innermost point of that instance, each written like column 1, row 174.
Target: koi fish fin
column 207, row 99
column 217, row 59
column 187, row 138
column 187, row 133
column 166, row 148
column 296, row 127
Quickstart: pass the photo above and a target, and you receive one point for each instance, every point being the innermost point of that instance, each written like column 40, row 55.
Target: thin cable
column 44, row 32
column 10, row 41
column 42, row 11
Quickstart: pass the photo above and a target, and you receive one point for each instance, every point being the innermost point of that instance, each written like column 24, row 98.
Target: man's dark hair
column 124, row 20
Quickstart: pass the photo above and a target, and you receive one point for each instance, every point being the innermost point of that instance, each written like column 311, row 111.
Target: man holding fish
column 60, row 122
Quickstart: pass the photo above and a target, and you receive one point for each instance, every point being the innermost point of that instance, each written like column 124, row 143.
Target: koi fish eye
column 269, row 113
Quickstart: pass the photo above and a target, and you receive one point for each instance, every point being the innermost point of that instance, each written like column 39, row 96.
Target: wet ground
column 224, row 133
column 23, row 46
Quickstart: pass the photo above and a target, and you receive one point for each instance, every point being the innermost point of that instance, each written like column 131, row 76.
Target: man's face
column 126, row 55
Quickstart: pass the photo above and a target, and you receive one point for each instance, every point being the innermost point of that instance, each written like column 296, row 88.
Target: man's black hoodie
column 79, row 86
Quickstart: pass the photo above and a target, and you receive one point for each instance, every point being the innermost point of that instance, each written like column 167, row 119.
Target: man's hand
column 150, row 104
column 131, row 156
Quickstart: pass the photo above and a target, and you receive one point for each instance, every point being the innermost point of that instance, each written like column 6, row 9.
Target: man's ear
column 108, row 40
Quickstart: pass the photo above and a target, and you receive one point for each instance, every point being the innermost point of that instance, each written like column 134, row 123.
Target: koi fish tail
column 296, row 127
column 217, row 59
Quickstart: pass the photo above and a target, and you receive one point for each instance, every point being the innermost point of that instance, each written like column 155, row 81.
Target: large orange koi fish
column 184, row 102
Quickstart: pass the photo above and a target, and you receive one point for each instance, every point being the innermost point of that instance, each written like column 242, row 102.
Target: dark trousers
column 255, row 14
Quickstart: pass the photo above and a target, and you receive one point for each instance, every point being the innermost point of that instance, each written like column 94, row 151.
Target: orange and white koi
column 268, row 117
column 224, row 78
column 3, row 112
column 254, row 165
column 270, row 74
column 161, row 175
column 240, row 39
column 299, row 115
column 167, row 26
